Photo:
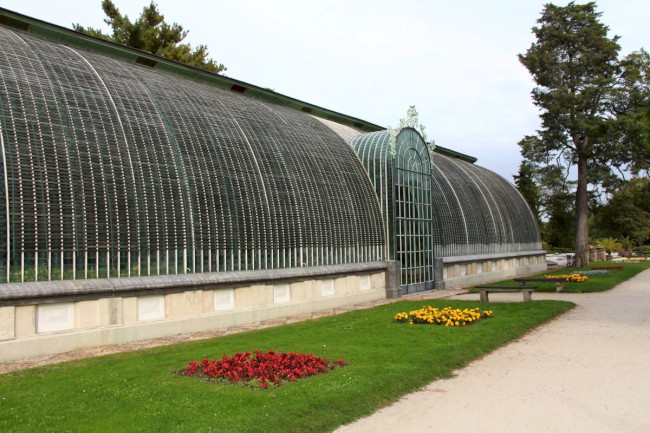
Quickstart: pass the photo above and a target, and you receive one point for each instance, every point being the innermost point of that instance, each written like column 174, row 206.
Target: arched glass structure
column 478, row 212
column 111, row 169
column 439, row 206
column 401, row 174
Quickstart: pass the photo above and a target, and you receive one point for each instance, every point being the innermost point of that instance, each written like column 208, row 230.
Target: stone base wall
column 55, row 323
column 472, row 270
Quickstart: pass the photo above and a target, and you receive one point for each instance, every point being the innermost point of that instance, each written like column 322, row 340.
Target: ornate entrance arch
column 412, row 210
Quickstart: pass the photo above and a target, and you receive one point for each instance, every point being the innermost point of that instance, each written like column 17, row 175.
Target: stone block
column 378, row 281
column 86, row 314
column 130, row 310
column 184, row 304
column 346, row 285
column 297, row 291
column 254, row 296
column 25, row 320
column 7, row 323
column 110, row 311
column 208, row 301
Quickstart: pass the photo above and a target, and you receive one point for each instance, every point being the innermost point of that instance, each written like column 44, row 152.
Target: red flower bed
column 604, row 268
column 261, row 368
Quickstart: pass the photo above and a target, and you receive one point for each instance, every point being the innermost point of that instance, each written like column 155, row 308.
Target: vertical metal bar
column 6, row 185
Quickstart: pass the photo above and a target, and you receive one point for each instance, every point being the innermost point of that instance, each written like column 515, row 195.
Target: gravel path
column 586, row 371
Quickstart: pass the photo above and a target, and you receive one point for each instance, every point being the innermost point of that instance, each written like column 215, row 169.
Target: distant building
column 142, row 198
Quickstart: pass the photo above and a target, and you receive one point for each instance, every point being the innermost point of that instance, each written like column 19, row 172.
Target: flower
column 446, row 316
column 574, row 278
column 261, row 369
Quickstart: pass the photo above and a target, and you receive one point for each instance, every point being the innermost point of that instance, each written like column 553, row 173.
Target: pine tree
column 151, row 33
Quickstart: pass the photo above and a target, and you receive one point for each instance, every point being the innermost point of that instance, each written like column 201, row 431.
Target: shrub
column 609, row 244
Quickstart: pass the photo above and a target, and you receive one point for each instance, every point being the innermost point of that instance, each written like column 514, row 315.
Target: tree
column 151, row 33
column 584, row 93
column 627, row 213
column 527, row 187
column 556, row 206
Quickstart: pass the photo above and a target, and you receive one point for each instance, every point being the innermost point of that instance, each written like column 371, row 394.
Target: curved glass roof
column 112, row 169
column 474, row 210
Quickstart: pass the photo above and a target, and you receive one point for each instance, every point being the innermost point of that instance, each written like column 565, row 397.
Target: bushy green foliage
column 588, row 100
column 609, row 244
column 151, row 33
column 627, row 213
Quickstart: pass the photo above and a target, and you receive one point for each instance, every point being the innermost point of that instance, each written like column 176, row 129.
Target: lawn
column 595, row 283
column 137, row 392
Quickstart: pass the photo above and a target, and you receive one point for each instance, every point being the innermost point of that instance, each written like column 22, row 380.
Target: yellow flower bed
column 574, row 278
column 447, row 316
column 634, row 259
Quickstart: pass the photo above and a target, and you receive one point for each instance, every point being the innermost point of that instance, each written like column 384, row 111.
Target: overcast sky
column 456, row 61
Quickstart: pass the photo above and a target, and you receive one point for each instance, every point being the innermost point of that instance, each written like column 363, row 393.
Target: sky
column 456, row 61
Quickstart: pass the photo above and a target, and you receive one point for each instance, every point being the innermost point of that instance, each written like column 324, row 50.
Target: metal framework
column 435, row 205
column 412, row 211
column 111, row 170
column 117, row 163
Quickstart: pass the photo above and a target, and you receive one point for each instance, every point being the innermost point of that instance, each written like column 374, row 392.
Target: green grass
column 595, row 283
column 137, row 392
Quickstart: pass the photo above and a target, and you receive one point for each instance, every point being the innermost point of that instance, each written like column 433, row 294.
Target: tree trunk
column 582, row 214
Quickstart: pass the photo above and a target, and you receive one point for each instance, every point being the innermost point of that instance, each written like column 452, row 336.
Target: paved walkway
column 587, row 371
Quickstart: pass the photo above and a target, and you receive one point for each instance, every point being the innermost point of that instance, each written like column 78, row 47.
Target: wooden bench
column 526, row 290
column 559, row 282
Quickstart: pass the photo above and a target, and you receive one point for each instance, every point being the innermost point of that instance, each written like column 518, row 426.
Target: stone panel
column 378, row 281
column 298, row 292
column 25, row 320
column 253, row 296
column 184, row 304
column 7, row 323
column 86, row 314
column 130, row 310
column 110, row 311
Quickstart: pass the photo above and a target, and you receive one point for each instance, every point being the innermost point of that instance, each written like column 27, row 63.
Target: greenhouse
column 137, row 191
column 440, row 205
column 116, row 171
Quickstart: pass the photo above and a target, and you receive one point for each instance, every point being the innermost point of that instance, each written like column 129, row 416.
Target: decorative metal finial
column 411, row 121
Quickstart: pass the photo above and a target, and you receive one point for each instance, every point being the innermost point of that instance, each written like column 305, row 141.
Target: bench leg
column 528, row 296
column 484, row 296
